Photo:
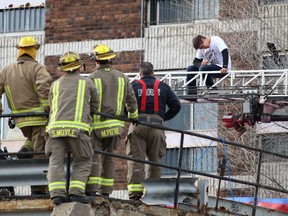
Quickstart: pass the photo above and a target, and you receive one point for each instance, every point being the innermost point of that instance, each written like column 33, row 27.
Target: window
column 205, row 116
column 270, row 62
column 22, row 19
column 181, row 11
column 193, row 159
column 276, row 59
column 276, row 142
column 198, row 116
column 182, row 120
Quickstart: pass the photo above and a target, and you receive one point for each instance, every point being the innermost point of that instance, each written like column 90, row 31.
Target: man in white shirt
column 212, row 55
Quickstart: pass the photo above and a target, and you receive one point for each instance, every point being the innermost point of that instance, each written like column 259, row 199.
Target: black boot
column 24, row 156
column 57, row 200
column 91, row 194
column 135, row 196
column 104, row 194
column 80, row 199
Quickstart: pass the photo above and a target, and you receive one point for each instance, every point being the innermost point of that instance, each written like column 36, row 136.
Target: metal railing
column 178, row 168
column 238, row 82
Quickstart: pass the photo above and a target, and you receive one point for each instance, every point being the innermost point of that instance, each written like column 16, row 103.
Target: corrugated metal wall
column 22, row 19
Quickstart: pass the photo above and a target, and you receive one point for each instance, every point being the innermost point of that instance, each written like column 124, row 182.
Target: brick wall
column 76, row 20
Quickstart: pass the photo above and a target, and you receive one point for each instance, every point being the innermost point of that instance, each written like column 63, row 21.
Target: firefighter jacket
column 150, row 104
column 115, row 94
column 26, row 84
column 72, row 100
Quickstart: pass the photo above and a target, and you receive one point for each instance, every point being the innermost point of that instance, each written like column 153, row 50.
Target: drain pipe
column 141, row 29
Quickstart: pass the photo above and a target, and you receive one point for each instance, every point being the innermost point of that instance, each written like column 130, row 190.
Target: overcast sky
column 17, row 3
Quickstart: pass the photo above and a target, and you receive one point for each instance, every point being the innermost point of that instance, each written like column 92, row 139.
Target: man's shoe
column 57, row 200
column 80, row 199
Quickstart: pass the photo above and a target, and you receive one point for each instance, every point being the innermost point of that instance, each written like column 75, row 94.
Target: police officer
column 72, row 98
column 152, row 97
column 116, row 94
column 27, row 84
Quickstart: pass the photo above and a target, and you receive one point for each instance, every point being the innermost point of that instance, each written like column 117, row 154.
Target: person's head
column 70, row 62
column 103, row 54
column 146, row 69
column 27, row 46
column 201, row 42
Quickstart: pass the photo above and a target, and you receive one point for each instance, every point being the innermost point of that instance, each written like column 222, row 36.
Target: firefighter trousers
column 56, row 150
column 102, row 173
column 141, row 143
column 35, row 142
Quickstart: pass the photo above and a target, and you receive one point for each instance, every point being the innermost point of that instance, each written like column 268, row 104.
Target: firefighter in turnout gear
column 116, row 94
column 72, row 99
column 152, row 97
column 26, row 84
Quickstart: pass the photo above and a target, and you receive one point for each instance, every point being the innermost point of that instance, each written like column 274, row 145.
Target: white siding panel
column 86, row 47
column 168, row 47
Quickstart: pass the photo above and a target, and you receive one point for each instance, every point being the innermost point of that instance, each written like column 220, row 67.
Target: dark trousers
column 192, row 89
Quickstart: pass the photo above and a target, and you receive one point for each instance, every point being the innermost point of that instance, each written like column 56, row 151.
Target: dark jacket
column 166, row 97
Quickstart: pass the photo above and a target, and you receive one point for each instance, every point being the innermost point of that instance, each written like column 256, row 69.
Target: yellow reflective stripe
column 44, row 102
column 9, row 96
column 35, row 109
column 57, row 185
column 35, row 88
column 94, row 180
column 107, row 124
column 98, row 85
column 133, row 115
column 70, row 124
column 31, row 123
column 120, row 95
column 77, row 184
column 135, row 188
column 106, row 182
column 101, row 181
column 54, row 104
column 28, row 144
column 80, row 100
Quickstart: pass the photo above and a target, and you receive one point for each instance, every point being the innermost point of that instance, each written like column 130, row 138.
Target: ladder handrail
column 271, row 79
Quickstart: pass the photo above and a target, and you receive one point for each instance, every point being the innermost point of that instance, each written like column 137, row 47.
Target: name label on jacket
column 149, row 92
column 55, row 133
column 110, row 132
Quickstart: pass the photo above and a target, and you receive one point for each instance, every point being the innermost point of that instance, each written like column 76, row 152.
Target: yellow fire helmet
column 102, row 52
column 70, row 61
column 28, row 41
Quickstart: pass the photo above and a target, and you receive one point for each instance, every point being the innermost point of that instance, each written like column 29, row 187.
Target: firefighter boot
column 57, row 200
column 81, row 199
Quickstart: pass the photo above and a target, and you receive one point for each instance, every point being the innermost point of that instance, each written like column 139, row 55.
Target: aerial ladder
column 261, row 92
